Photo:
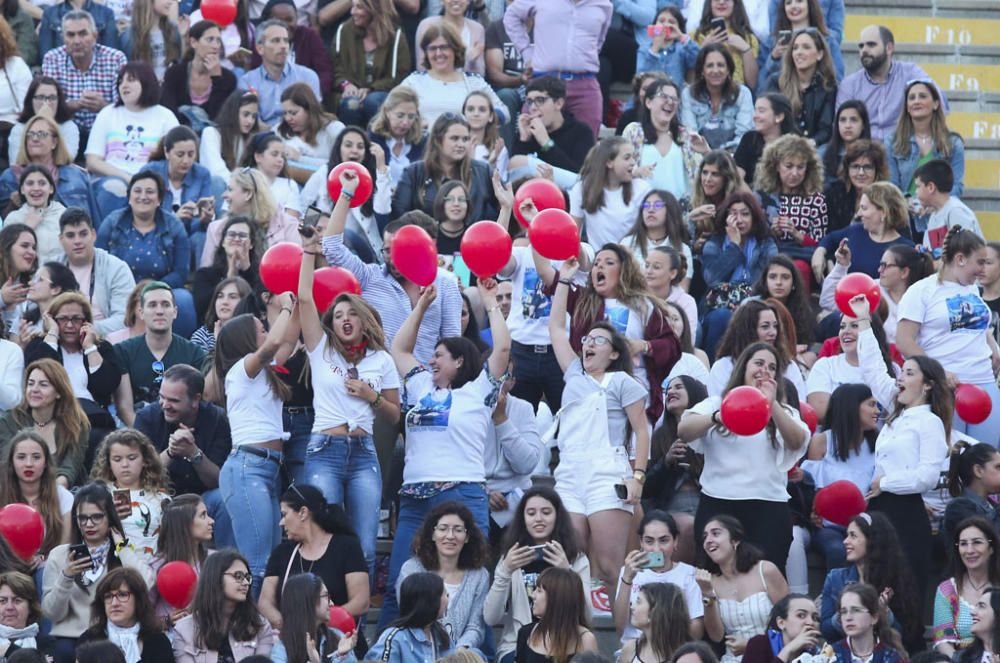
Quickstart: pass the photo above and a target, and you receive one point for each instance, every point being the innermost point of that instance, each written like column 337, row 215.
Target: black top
column 572, row 142
column 343, row 555
column 496, row 37
column 841, row 205
column 211, row 435
column 524, row 653
column 44, row 644
column 175, row 91
column 298, row 378
column 135, row 359
column 414, row 183
column 101, row 383
column 748, row 153
column 154, row 650
column 815, row 118
column 205, row 280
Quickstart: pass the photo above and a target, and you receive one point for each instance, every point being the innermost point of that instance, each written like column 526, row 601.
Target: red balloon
column 365, row 186
column 341, row 620
column 486, row 248
column 972, row 403
column 554, row 235
column 855, row 284
column 839, row 502
column 330, row 283
column 222, row 12
column 809, row 416
column 176, row 582
column 23, row 528
column 745, row 410
column 414, row 254
column 544, row 193
column 279, row 268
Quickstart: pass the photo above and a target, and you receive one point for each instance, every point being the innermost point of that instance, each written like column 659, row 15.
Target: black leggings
column 768, row 525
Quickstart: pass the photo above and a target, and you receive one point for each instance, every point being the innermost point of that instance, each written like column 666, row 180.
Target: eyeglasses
column 438, row 48
column 535, row 102
column 926, row 81
column 158, row 368
column 68, row 319
column 882, row 266
column 458, row 200
column 457, row 530
column 240, row 577
column 861, row 168
column 596, row 340
column 122, row 596
column 654, row 204
column 805, row 31
column 853, row 610
column 298, row 493
column 974, row 543
column 669, row 98
column 38, row 135
column 235, row 234
column 93, row 518
column 47, row 98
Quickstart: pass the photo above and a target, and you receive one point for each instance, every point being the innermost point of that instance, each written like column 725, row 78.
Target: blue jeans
column 298, row 423
column 411, row 517
column 713, row 327
column 345, row 468
column 829, row 541
column 186, row 321
column 110, row 194
column 537, row 374
column 223, row 528
column 249, row 485
column 359, row 114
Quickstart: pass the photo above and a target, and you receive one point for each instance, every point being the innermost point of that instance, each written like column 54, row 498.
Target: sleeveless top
column 745, row 618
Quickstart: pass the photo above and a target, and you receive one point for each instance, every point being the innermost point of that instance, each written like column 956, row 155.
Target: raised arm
column 557, row 318
column 312, row 327
column 500, row 356
column 257, row 361
column 406, row 337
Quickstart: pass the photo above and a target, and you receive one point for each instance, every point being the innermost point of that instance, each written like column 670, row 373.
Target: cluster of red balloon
column 23, row 529
column 222, row 12
column 279, row 272
column 553, row 232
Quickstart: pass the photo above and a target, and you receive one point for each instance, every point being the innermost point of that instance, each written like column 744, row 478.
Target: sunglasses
column 158, row 369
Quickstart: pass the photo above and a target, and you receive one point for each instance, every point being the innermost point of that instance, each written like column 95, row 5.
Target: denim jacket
column 405, row 645
column 197, row 184
column 50, row 30
column 768, row 66
column 736, row 118
column 903, row 166
column 675, row 60
column 836, row 581
column 72, row 189
column 172, row 239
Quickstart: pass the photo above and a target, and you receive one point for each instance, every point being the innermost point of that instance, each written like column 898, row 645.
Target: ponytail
column 958, row 241
column 964, row 459
column 917, row 259
column 330, row 517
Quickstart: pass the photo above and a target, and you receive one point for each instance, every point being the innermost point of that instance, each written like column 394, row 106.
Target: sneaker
column 599, row 601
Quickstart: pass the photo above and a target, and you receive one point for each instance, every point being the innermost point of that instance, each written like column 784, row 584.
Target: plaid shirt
column 101, row 76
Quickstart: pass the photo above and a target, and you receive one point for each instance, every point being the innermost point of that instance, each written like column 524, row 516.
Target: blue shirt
column 163, row 254
column 865, row 252
column 269, row 90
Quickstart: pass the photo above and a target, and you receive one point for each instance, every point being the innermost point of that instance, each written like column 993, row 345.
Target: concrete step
column 941, row 54
column 971, row 101
column 926, row 29
column 967, row 9
column 990, row 223
column 982, row 173
column 981, row 149
column 984, row 126
column 982, row 200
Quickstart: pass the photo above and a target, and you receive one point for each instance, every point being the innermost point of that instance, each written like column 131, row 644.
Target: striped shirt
column 100, row 76
column 384, row 293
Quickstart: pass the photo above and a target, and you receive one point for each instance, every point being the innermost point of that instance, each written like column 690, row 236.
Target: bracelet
column 347, row 194
column 285, row 308
column 565, row 281
column 310, row 253
column 490, row 310
column 625, row 582
column 91, row 350
column 377, row 401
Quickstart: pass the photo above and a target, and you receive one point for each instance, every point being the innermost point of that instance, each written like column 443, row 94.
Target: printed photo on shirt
column 967, row 313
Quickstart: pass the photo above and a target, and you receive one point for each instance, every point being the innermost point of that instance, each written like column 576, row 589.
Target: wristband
column 91, row 350
column 566, row 281
column 285, row 308
column 377, row 401
column 547, row 145
column 625, row 582
column 490, row 310
column 347, row 194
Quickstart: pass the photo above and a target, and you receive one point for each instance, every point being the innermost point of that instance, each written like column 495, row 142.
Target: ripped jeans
column 345, row 468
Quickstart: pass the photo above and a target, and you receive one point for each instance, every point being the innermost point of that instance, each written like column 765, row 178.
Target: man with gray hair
column 276, row 73
column 50, row 31
column 86, row 70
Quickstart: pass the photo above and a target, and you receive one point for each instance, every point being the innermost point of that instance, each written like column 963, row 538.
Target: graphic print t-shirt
column 126, row 139
column 954, row 324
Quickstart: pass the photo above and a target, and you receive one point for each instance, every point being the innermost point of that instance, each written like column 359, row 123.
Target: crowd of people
column 159, row 404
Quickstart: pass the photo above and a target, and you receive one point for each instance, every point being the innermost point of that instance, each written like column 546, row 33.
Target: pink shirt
column 568, row 33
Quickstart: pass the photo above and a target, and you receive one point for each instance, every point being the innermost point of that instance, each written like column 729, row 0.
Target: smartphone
column 122, row 500
column 24, row 278
column 654, row 560
column 621, row 490
column 718, row 24
column 205, row 202
column 654, row 30
column 784, row 37
column 80, row 551
column 539, row 552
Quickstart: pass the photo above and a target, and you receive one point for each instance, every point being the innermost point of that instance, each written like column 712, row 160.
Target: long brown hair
column 939, row 125
column 70, row 421
column 668, row 619
column 371, row 323
column 434, row 166
column 317, row 118
column 144, row 21
column 940, row 397
column 384, row 19
column 145, row 615
column 631, row 292
column 212, row 626
column 788, row 79
column 48, row 494
column 594, row 174
column 153, row 479
column 869, row 597
column 238, row 339
column 558, row 630
column 175, row 542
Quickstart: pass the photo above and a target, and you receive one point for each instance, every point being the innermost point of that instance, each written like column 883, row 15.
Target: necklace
column 923, row 139
column 850, row 644
column 978, row 588
column 302, row 568
column 39, row 424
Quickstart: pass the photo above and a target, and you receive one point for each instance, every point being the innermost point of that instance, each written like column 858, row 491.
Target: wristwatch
column 197, row 458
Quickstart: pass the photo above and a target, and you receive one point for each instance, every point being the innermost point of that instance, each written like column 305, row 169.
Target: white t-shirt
column 446, row 428
column 631, row 243
column 334, row 406
column 828, row 373
column 682, row 575
column 610, row 223
column 286, row 194
column 159, row 48
column 745, row 467
column 954, row 212
column 528, row 321
column 722, row 369
column 314, row 156
column 125, row 139
column 954, row 325
column 668, row 170
column 689, row 365
column 253, row 408
column 620, row 389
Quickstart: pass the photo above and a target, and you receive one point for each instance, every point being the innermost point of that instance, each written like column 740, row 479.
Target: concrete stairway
column 958, row 43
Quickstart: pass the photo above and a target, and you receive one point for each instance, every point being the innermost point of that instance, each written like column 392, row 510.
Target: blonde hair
column 890, row 201
column 384, row 19
column 263, row 207
column 60, row 155
column 789, row 146
column 153, row 478
column 400, row 94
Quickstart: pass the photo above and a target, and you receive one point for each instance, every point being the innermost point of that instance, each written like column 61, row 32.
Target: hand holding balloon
column 427, row 296
column 568, row 269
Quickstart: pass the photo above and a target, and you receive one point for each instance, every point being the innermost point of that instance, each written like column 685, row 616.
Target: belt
column 299, row 409
column 269, row 454
column 565, row 75
column 537, row 349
